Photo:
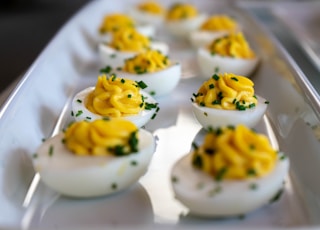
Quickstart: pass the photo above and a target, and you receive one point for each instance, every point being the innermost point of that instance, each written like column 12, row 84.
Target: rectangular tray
column 40, row 106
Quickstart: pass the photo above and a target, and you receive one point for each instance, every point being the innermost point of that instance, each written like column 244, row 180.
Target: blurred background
column 26, row 26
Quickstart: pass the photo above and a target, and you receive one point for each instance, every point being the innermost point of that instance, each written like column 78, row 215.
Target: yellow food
column 181, row 11
column 115, row 97
column 233, row 45
column 227, row 91
column 235, row 153
column 151, row 7
column 101, row 137
column 116, row 21
column 129, row 39
column 147, row 62
column 219, row 22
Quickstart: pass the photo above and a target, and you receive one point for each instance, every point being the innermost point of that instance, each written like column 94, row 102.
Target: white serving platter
column 40, row 106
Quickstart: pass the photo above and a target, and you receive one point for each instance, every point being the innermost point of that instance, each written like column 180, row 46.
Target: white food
column 144, row 17
column 211, row 117
column 208, row 198
column 115, row 58
column 78, row 104
column 87, row 176
column 159, row 83
column 183, row 28
column 210, row 64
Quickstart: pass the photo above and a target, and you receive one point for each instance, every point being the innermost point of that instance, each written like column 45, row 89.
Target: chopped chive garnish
column 205, row 113
column 35, row 155
column 267, row 102
column 134, row 163
column 221, row 173
column 197, row 162
column 253, row 186
column 211, row 86
column 174, row 179
column 251, row 172
column 88, row 118
column 195, row 146
column 215, row 77
column 152, row 93
column 149, row 106
column 106, row 69
column 79, row 101
column 123, row 81
column 234, row 78
column 129, row 95
column 202, row 104
column 142, row 85
column 252, row 105
column 113, row 55
column 216, row 70
column 114, row 77
column 153, row 116
column 51, row 150
column 79, row 113
column 72, row 113
column 133, row 142
column 114, row 186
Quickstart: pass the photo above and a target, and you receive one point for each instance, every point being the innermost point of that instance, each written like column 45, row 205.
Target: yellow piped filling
column 128, row 39
column 235, row 153
column 151, row 7
column 227, row 91
column 219, row 22
column 233, row 45
column 115, row 97
column 102, row 137
column 181, row 11
column 115, row 22
column 147, row 62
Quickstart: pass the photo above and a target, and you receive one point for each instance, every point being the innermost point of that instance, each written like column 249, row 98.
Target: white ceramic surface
column 40, row 106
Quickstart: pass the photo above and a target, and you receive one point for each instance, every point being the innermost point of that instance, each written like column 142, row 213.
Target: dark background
column 26, row 26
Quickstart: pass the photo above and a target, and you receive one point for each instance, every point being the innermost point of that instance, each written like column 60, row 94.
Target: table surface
column 26, row 27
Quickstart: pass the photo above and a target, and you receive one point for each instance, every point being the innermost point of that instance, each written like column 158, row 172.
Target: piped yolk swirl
column 151, row 7
column 233, row 45
column 147, row 62
column 128, row 39
column 235, row 153
column 115, row 22
column 181, row 11
column 102, row 137
column 219, row 22
column 115, row 97
column 227, row 91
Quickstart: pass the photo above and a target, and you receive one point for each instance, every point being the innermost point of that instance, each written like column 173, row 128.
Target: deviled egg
column 125, row 44
column 155, row 69
column 148, row 12
column 115, row 97
column 231, row 53
column 214, row 27
column 228, row 99
column 94, row 158
column 234, row 171
column 116, row 21
column 182, row 19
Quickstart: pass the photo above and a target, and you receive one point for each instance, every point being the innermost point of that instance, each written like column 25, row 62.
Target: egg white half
column 78, row 104
column 143, row 17
column 214, row 118
column 209, row 198
column 210, row 64
column 87, row 176
column 159, row 83
column 115, row 58
column 182, row 28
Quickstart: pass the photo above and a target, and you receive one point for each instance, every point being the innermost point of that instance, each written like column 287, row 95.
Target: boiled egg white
column 205, row 197
column 209, row 62
column 185, row 19
column 90, row 176
column 212, row 117
column 148, row 12
column 214, row 27
column 81, row 112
